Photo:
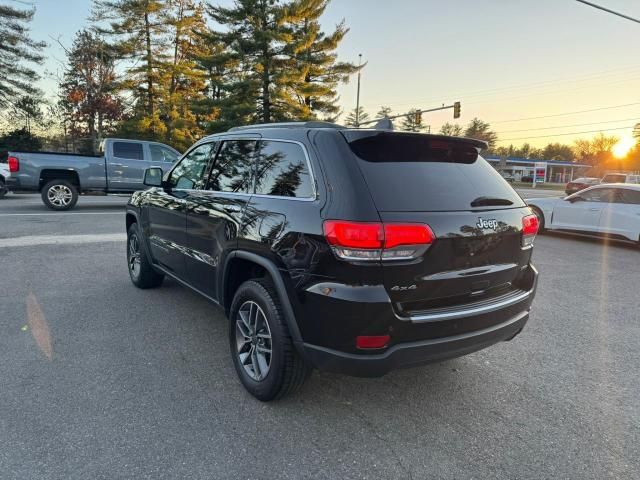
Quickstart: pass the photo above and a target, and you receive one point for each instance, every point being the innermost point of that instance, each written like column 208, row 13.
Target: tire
column 3, row 188
column 540, row 216
column 286, row 371
column 59, row 195
column 141, row 272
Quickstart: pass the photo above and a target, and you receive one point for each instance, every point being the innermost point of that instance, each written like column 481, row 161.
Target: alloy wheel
column 134, row 256
column 60, row 195
column 253, row 340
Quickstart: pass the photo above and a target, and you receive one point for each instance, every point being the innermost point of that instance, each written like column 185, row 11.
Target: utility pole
column 358, row 94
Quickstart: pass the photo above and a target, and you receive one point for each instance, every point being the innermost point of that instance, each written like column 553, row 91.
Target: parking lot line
column 30, row 241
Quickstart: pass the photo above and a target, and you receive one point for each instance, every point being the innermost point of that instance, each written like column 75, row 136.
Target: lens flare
column 621, row 148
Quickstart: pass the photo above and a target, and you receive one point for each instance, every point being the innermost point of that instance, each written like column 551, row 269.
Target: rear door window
column 413, row 172
column 130, row 150
column 162, row 154
column 628, row 196
column 233, row 168
column 282, row 170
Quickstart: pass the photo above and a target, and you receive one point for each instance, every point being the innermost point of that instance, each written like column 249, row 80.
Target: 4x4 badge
column 491, row 223
column 398, row 288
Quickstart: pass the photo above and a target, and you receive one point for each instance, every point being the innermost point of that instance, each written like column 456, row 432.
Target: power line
column 566, row 113
column 573, row 125
column 609, row 11
column 543, row 83
column 565, row 134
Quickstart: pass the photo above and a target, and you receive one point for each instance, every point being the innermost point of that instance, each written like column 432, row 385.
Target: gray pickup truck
column 62, row 177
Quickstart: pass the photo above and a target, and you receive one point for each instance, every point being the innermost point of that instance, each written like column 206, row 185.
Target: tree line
column 176, row 70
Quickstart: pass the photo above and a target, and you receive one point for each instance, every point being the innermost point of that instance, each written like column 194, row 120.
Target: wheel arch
column 253, row 263
column 47, row 175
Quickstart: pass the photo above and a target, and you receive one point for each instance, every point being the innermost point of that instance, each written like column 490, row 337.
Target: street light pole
column 358, row 94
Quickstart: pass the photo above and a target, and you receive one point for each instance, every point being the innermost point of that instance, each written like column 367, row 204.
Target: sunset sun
column 621, row 148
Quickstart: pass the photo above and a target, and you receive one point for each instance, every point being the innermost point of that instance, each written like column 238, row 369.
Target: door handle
column 595, row 209
column 117, row 164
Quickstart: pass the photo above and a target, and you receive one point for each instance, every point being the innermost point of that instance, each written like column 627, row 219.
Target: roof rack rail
column 311, row 124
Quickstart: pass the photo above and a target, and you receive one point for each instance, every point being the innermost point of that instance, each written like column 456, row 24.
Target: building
column 558, row 171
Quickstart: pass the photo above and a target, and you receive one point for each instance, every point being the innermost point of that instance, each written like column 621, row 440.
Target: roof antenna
column 384, row 124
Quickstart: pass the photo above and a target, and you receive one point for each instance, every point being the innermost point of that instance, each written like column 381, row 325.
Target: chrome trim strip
column 492, row 307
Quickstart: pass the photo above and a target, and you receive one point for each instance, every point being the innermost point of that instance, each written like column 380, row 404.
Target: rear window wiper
column 490, row 201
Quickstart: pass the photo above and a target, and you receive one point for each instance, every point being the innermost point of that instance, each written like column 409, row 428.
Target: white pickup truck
column 61, row 177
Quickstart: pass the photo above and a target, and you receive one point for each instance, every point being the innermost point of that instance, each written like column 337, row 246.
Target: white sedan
column 611, row 209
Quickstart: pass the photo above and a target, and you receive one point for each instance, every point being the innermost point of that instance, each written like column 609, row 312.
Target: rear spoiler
column 352, row 134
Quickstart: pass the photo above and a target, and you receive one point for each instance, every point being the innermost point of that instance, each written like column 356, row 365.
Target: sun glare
column 621, row 148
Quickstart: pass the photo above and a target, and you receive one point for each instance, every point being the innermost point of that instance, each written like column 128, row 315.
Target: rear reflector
column 378, row 341
column 530, row 225
column 14, row 164
column 377, row 241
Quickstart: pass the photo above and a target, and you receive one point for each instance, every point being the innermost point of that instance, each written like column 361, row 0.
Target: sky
column 506, row 61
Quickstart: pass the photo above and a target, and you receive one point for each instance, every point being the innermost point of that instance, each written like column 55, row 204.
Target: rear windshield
column 413, row 172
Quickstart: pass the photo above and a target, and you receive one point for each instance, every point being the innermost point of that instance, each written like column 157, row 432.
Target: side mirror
column 153, row 177
column 575, row 199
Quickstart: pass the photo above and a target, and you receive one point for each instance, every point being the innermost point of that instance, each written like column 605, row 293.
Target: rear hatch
column 475, row 215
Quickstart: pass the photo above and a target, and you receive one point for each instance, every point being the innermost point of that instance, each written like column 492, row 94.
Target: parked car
column 620, row 178
column 608, row 209
column 62, row 177
column 4, row 174
column 527, row 179
column 347, row 250
column 580, row 184
column 508, row 177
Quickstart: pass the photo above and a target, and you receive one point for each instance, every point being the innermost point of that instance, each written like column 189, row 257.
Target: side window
column 626, row 195
column 130, row 150
column 234, row 167
column 282, row 170
column 189, row 174
column 601, row 195
column 162, row 154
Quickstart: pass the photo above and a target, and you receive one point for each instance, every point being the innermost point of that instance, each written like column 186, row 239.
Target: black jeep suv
column 352, row 251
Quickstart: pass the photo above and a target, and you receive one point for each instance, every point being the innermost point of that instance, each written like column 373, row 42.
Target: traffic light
column 418, row 118
column 456, row 110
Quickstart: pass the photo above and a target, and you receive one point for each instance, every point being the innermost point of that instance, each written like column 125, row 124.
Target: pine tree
column 140, row 37
column 384, row 112
column 315, row 61
column 350, row 121
column 482, row 131
column 17, row 49
column 255, row 32
column 88, row 90
column 412, row 122
column 181, row 80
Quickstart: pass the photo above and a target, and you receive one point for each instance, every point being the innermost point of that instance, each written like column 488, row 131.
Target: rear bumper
column 500, row 321
column 415, row 353
column 13, row 183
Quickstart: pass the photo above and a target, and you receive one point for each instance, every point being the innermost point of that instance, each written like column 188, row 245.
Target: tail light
column 362, row 241
column 530, row 225
column 14, row 164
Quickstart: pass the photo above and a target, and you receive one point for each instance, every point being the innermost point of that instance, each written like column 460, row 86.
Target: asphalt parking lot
column 101, row 380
